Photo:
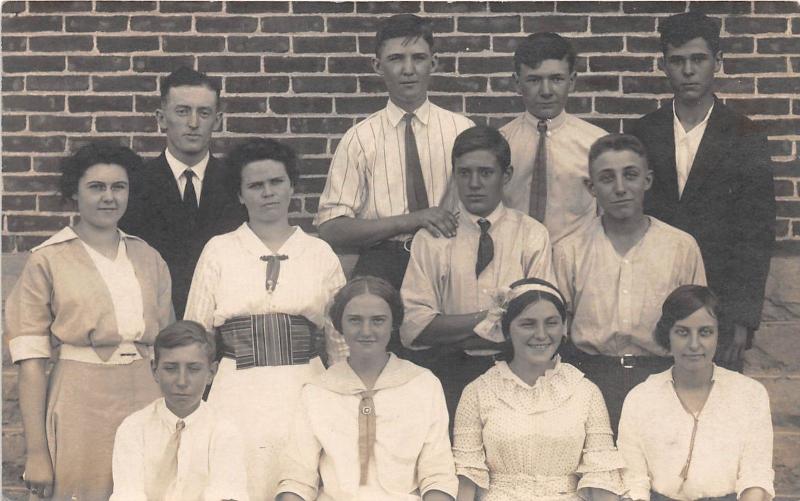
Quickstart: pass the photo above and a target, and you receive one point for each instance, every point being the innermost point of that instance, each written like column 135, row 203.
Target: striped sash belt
column 268, row 340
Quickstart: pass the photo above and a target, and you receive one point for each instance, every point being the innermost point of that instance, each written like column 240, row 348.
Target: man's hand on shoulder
column 438, row 221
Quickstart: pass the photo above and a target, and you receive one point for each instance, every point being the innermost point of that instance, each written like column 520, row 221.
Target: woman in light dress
column 533, row 427
column 265, row 288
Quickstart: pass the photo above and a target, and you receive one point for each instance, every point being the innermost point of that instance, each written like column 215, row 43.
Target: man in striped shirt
column 390, row 173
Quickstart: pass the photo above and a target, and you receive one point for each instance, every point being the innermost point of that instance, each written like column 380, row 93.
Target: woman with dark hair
column 696, row 431
column 533, row 427
column 99, row 297
column 265, row 288
column 374, row 426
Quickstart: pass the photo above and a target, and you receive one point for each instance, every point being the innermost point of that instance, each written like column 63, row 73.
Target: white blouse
column 547, row 441
column 230, row 280
column 732, row 447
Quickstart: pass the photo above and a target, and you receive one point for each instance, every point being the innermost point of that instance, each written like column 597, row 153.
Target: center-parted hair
column 681, row 303
column 536, row 48
column 616, row 142
column 483, row 137
column 187, row 77
column 184, row 333
column 403, row 26
column 366, row 284
column 678, row 29
column 257, row 149
column 75, row 166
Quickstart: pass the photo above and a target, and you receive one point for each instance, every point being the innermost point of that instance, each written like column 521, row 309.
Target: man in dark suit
column 179, row 200
column 712, row 178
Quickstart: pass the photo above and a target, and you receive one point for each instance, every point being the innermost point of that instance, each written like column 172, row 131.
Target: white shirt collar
column 170, row 420
column 552, row 123
column 496, row 214
column 67, row 233
column 177, row 167
column 397, row 113
column 699, row 127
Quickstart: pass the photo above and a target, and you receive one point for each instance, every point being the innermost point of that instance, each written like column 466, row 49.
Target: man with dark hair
column 712, row 178
column 549, row 145
column 390, row 173
column 450, row 282
column 179, row 200
column 616, row 272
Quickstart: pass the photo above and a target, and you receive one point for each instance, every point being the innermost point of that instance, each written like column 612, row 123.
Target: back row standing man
column 179, row 200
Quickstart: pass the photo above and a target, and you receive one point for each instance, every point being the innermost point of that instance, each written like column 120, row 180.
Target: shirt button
column 625, row 291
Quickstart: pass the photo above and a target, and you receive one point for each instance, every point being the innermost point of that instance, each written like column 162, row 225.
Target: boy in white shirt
column 177, row 448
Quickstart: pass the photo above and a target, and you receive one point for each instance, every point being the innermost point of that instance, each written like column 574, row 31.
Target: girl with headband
column 532, row 427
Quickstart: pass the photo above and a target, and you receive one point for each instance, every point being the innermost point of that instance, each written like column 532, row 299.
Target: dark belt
column 654, row 496
column 624, row 361
column 392, row 245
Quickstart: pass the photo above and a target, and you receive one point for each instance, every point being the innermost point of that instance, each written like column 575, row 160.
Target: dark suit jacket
column 156, row 214
column 728, row 203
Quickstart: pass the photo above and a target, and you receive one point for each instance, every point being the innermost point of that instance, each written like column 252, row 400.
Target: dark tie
column 273, row 269
column 415, row 183
column 189, row 195
column 538, row 203
column 485, row 247
column 168, row 466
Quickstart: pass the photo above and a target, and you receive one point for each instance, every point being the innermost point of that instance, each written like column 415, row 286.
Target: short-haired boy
column 177, row 448
column 616, row 273
column 449, row 282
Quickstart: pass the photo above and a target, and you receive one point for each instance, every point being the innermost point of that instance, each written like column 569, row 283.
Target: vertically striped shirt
column 367, row 174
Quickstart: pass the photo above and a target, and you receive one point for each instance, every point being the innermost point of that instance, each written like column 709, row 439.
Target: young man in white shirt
column 549, row 146
column 177, row 448
column 616, row 272
column 449, row 283
column 390, row 173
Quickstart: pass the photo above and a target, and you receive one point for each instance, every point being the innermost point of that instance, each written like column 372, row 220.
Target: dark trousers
column 616, row 376
column 724, row 339
column 654, row 496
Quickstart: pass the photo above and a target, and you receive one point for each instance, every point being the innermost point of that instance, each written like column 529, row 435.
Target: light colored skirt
column 261, row 402
column 85, row 405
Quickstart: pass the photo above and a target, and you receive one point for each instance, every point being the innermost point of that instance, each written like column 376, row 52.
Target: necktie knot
column 180, row 425
column 188, row 174
column 408, row 117
column 484, row 224
column 542, row 126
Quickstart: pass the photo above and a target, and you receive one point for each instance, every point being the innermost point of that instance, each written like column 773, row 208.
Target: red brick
column 308, row 145
column 455, row 7
column 787, row 208
column 733, row 66
column 371, row 84
column 360, row 105
column 258, row 44
column 620, row 63
column 324, row 44
column 769, row 7
column 456, row 84
column 779, row 45
column 15, row 164
column 744, row 25
column 447, row 64
column 760, row 106
column 503, row 84
column 293, row 105
column 161, row 64
column 781, row 228
column 230, row 24
column 559, row 24
column 33, row 103
column 294, row 24
column 14, row 44
column 19, row 203
column 76, row 142
column 735, row 7
column 177, row 24
column 149, row 144
column 597, row 83
column 781, row 127
column 239, row 104
column 387, row 7
column 786, row 169
column 795, row 64
column 350, row 65
column 796, row 228
column 624, row 105
column 796, row 25
column 489, row 24
column 471, row 65
column 78, row 104
column 796, row 107
column 48, row 123
column 28, row 242
column 321, row 7
column 463, row 43
column 311, row 204
column 47, row 164
column 12, row 84
column 572, row 6
column 644, row 44
column 255, row 7
column 229, row 64
column 94, row 24
column 127, row 83
column 13, row 123
column 36, row 223
column 779, row 85
column 59, row 6
column 645, row 85
column 736, row 45
column 517, row 6
column 579, row 105
column 126, row 124
column 146, row 104
column 622, row 24
column 55, row 203
column 323, row 84
column 13, row 7
column 92, row 64
column 779, row 148
column 784, row 188
column 295, row 205
column 451, row 103
column 194, row 44
column 737, row 85
column 29, row 183
column 27, row 24
column 66, row 43
column 190, row 6
column 256, row 125
column 249, row 85
column 494, row 104
column 321, row 125
column 124, row 6
column 659, row 7
column 128, row 44
column 318, row 166
column 278, row 64
column 31, row 64
column 597, row 44
column 310, row 185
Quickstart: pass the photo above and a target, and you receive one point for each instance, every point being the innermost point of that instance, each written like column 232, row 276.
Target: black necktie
column 538, row 203
column 273, row 269
column 415, row 183
column 485, row 247
column 189, row 195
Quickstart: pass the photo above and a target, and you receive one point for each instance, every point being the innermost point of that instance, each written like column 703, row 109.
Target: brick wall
column 300, row 71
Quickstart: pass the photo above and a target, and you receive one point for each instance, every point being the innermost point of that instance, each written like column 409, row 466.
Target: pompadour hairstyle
column 403, row 26
column 536, row 48
column 185, row 76
column 678, row 29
